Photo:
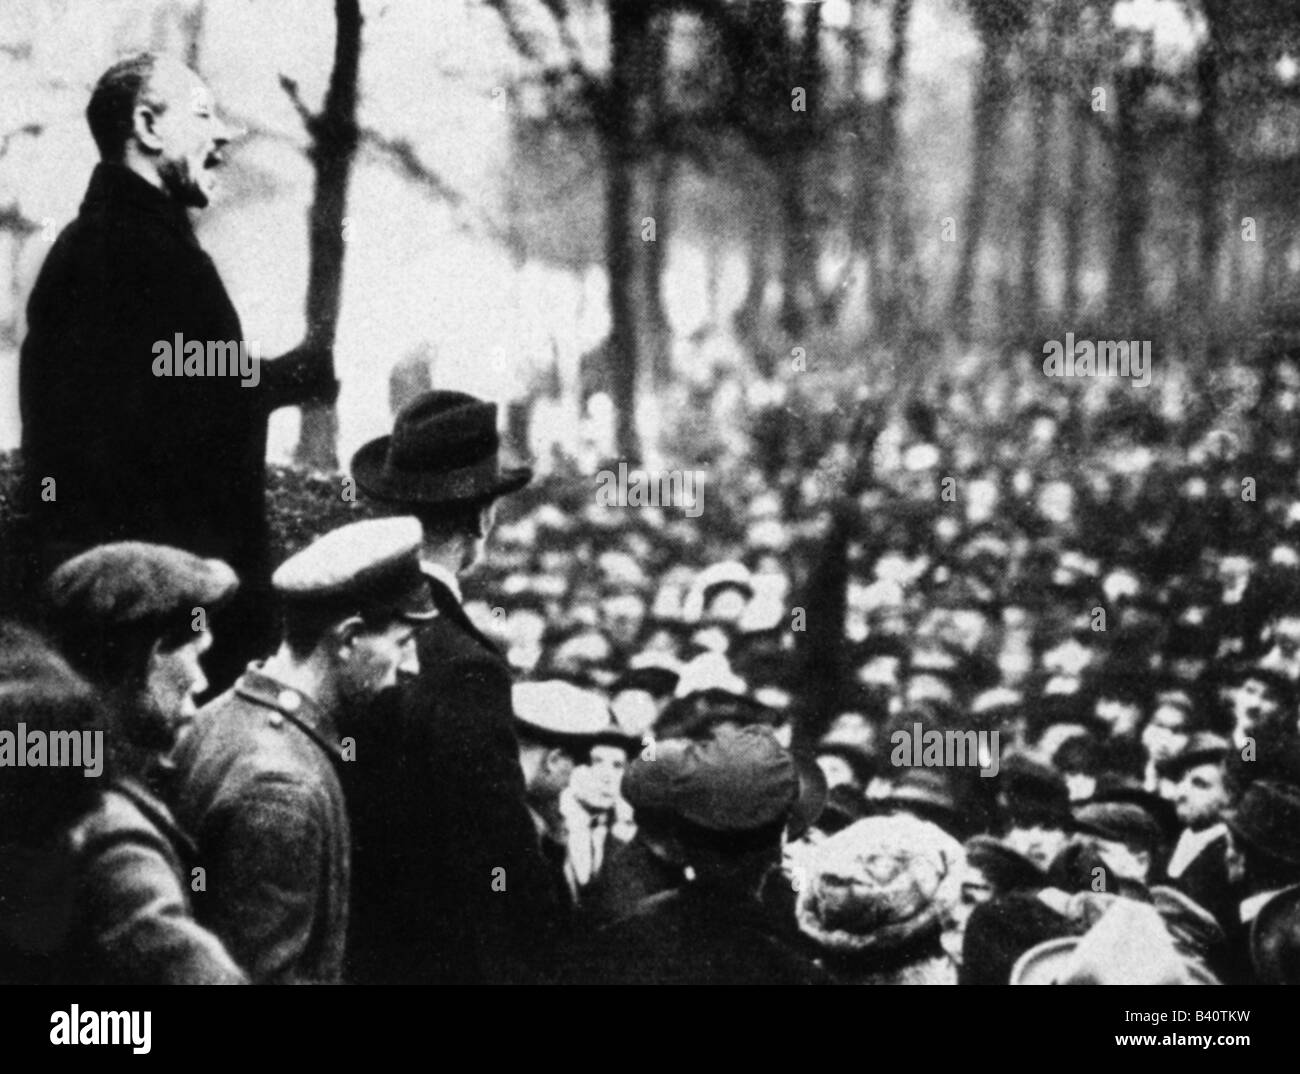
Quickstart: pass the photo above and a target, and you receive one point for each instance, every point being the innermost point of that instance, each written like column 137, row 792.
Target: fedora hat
column 444, row 449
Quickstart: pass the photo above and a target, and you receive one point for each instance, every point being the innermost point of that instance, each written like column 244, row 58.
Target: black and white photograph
column 650, row 492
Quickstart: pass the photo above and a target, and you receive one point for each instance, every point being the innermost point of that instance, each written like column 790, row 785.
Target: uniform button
column 275, row 720
column 288, row 700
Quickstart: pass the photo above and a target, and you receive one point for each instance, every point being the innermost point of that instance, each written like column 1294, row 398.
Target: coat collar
column 449, row 607
column 153, row 808
column 117, row 188
column 294, row 705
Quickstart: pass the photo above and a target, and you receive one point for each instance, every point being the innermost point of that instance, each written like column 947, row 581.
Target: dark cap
column 655, row 680
column 1267, row 820
column 1122, row 822
column 1005, row 869
column 363, row 566
column 737, row 781
column 133, row 584
column 1204, row 747
column 1033, row 792
column 697, row 715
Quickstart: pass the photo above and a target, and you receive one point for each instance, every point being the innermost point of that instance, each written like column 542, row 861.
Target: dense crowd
column 953, row 675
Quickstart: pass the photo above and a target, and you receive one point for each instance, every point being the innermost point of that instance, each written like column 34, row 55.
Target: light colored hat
column 879, row 883
column 559, row 709
column 374, row 563
column 730, row 572
column 708, row 671
column 1128, row 945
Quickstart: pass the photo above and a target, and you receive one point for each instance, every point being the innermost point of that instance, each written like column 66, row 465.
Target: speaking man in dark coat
column 450, row 883
column 122, row 438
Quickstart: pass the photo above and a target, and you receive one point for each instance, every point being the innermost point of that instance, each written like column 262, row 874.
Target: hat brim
column 1044, row 963
column 429, row 488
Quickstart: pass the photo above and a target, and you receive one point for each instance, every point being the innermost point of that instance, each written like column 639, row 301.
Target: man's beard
column 146, row 726
column 181, row 185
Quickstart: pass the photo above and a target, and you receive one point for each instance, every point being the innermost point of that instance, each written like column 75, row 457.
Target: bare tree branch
column 32, row 129
column 15, row 222
column 290, row 87
column 403, row 156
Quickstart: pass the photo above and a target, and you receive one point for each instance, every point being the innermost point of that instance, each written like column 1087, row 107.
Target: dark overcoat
column 450, row 885
column 176, row 460
column 134, row 923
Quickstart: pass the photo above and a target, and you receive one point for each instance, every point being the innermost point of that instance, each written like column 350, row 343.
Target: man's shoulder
column 258, row 743
column 117, row 820
column 445, row 639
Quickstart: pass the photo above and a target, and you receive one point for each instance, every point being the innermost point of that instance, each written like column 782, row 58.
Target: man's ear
column 344, row 633
column 486, row 516
column 556, row 759
column 144, row 123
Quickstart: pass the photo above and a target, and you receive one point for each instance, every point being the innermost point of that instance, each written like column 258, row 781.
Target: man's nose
column 410, row 664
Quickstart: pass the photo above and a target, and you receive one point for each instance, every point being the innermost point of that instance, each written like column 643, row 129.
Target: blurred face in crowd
column 547, row 771
column 1038, row 841
column 634, row 710
column 1253, row 702
column 622, row 617
column 1200, row 797
column 924, row 687
column 726, row 605
column 177, row 129
column 597, row 783
column 1121, row 716
column 1284, row 637
column 368, row 662
column 836, row 769
column 1125, row 861
column 1166, row 734
column 173, row 678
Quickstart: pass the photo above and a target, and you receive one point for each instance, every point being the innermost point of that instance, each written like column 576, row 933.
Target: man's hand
column 303, row 376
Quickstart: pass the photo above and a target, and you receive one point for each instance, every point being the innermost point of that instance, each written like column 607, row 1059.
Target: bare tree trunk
column 897, row 210
column 1211, row 152
column 628, row 262
column 658, row 330
column 1075, row 205
column 1127, row 273
column 799, row 261
column 333, row 146
column 991, row 94
column 1040, row 104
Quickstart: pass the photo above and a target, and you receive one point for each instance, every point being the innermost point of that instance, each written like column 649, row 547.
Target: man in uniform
column 260, row 787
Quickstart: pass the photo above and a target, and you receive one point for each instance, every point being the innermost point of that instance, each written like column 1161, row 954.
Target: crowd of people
column 999, row 685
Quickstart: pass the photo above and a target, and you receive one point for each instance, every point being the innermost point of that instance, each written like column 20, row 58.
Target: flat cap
column 1204, row 747
column 1122, row 822
column 737, row 781
column 134, row 584
column 370, row 565
column 556, row 711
